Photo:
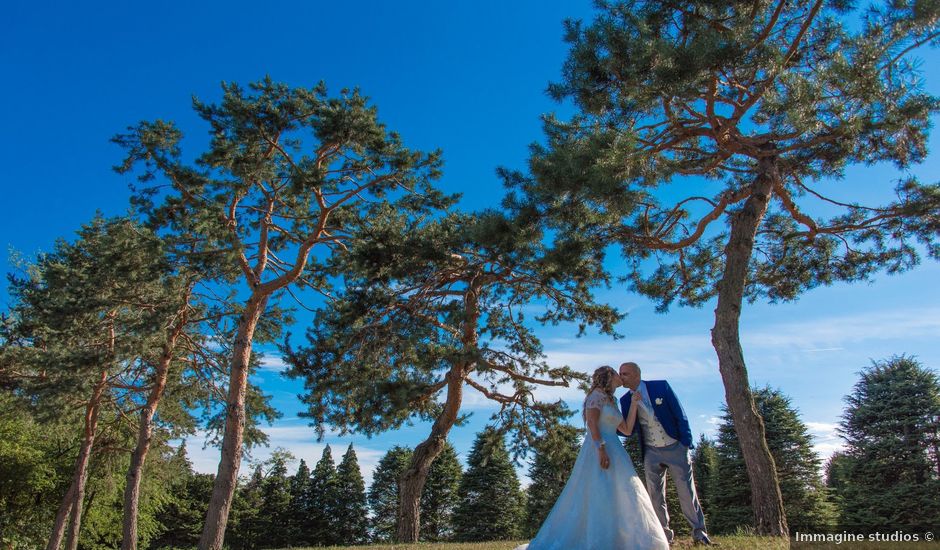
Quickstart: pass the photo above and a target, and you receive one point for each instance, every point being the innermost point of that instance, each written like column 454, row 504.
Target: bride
column 604, row 505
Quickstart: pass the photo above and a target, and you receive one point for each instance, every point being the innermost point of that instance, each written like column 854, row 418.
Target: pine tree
column 891, row 426
column 287, row 173
column 838, row 469
column 421, row 348
column 299, row 508
column 181, row 519
column 705, row 471
column 383, row 493
column 321, row 524
column 86, row 320
column 804, row 496
column 491, row 502
column 248, row 526
column 554, row 458
column 704, row 138
column 275, row 502
column 350, row 513
column 441, row 496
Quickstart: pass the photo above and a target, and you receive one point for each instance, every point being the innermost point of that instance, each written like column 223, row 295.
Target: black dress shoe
column 704, row 541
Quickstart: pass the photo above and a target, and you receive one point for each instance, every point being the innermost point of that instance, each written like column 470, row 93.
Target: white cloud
column 274, row 363
column 826, row 440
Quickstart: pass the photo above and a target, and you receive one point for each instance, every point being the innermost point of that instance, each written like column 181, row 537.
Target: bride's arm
column 592, row 416
column 626, row 426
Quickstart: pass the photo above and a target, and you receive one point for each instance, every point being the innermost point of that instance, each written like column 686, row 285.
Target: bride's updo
column 600, row 380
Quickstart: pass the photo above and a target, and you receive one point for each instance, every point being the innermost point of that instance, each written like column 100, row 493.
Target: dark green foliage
column 798, row 468
column 324, row 501
column 837, row 478
column 181, row 518
column 275, row 503
column 441, row 496
column 705, row 471
column 247, row 531
column 492, row 506
column 555, row 455
column 299, row 509
column 383, row 493
column 350, row 511
column 665, row 91
column 34, row 472
column 890, row 474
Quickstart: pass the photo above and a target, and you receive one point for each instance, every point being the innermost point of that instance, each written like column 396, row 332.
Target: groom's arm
column 685, row 431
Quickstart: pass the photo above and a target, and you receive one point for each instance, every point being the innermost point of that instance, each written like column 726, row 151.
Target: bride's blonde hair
column 600, row 380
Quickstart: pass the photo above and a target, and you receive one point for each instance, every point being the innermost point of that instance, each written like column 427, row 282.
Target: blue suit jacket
column 668, row 411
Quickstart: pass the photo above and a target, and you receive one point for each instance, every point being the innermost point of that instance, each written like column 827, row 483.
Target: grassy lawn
column 727, row 543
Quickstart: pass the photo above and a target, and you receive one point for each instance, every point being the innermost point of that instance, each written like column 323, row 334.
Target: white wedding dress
column 602, row 509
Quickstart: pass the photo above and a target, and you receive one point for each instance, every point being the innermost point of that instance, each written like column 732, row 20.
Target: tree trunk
column 77, row 491
column 213, row 533
column 145, row 431
column 412, row 481
column 411, row 484
column 61, row 518
column 765, row 489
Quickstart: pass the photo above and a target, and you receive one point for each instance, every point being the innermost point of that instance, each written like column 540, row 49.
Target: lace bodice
column 610, row 414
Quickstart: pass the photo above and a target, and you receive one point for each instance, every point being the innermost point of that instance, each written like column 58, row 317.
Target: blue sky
column 466, row 77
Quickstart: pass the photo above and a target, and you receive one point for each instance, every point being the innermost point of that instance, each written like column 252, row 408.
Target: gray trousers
column 674, row 458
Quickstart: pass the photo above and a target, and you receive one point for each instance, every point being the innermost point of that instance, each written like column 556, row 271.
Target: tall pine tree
column 350, row 511
column 441, row 496
column 891, row 427
column 491, row 502
column 275, row 502
column 383, row 493
column 299, row 509
column 804, row 496
column 705, row 471
column 287, row 173
column 323, row 501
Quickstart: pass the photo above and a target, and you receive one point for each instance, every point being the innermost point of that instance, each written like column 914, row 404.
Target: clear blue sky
column 466, row 77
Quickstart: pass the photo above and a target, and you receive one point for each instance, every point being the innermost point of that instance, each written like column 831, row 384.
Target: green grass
column 727, row 543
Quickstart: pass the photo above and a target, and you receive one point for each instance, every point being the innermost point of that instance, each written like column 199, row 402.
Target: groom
column 665, row 440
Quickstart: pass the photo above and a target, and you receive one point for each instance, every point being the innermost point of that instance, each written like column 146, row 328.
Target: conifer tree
column 351, row 511
column 441, row 496
column 432, row 309
column 86, row 319
column 287, row 171
column 554, row 458
column 707, row 138
column 804, row 496
column 275, row 502
column 299, row 509
column 491, row 505
column 324, row 498
column 248, row 525
column 891, row 426
column 181, row 519
column 837, row 479
column 383, row 492
column 705, row 471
